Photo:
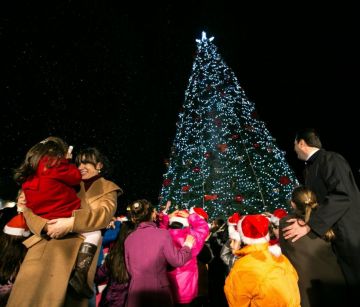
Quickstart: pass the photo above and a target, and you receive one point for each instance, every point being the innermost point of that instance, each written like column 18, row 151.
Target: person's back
column 148, row 252
column 321, row 281
column 112, row 273
column 258, row 277
column 185, row 278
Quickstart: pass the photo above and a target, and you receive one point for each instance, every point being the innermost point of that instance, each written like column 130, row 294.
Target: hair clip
column 44, row 141
column 136, row 205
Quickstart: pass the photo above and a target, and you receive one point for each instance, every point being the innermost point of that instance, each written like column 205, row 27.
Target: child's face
column 234, row 245
column 21, row 201
column 276, row 232
column 154, row 215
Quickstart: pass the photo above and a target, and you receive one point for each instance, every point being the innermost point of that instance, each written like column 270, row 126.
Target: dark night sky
column 103, row 74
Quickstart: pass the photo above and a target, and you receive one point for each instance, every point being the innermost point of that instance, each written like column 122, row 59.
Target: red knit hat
column 199, row 211
column 17, row 227
column 254, row 229
column 180, row 219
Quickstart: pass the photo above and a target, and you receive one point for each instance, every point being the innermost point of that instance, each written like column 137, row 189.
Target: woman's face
column 88, row 170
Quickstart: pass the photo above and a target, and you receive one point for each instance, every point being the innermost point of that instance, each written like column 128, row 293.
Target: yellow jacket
column 258, row 278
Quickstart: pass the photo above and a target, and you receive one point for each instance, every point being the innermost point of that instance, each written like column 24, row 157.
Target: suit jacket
column 330, row 177
column 44, row 274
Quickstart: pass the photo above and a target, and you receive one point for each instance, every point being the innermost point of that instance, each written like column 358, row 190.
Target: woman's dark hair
column 176, row 225
column 52, row 147
column 115, row 261
column 141, row 211
column 93, row 156
column 12, row 253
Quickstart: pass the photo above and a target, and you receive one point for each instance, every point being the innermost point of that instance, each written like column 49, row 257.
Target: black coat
column 321, row 282
column 329, row 175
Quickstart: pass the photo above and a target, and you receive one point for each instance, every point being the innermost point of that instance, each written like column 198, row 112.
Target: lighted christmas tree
column 223, row 157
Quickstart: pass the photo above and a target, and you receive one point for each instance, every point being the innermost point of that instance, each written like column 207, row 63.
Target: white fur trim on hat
column 274, row 220
column 182, row 220
column 233, row 233
column 275, row 250
column 14, row 231
column 122, row 218
column 250, row 241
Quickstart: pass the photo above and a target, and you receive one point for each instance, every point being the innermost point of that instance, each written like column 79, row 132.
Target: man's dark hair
column 310, row 136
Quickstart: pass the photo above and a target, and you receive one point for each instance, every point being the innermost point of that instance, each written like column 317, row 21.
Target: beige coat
column 44, row 274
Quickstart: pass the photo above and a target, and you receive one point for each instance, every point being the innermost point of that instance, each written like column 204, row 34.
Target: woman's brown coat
column 44, row 274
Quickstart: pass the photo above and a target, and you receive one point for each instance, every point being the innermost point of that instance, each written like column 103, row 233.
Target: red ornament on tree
column 196, row 169
column 186, row 188
column 284, row 180
column 208, row 197
column 256, row 145
column 166, row 182
column 235, row 136
column 239, row 198
column 217, row 122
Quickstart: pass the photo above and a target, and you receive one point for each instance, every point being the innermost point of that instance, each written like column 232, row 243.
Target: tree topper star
column 204, row 38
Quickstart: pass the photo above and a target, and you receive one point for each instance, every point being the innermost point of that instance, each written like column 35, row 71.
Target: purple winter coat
column 148, row 252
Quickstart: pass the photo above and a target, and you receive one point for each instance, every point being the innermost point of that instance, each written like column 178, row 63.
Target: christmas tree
column 223, row 158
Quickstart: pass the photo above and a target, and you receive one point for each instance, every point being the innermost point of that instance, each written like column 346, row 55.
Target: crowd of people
column 62, row 244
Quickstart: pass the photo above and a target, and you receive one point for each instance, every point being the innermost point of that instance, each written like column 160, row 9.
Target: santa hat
column 277, row 215
column 180, row 219
column 254, row 229
column 232, row 222
column 199, row 211
column 17, row 227
column 122, row 218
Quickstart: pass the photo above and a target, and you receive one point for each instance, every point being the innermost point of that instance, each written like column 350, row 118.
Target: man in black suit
column 329, row 175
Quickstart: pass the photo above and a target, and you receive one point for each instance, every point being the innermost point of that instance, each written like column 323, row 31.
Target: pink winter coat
column 184, row 279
